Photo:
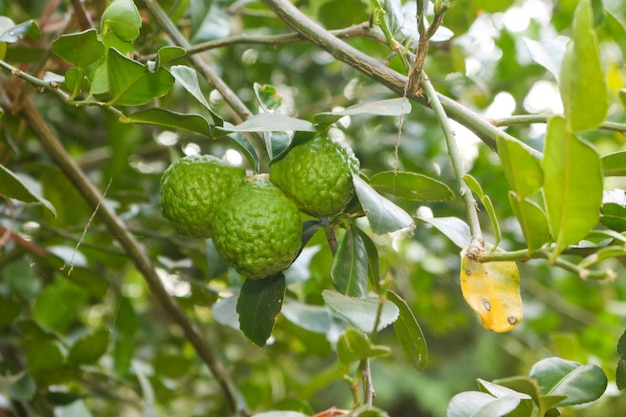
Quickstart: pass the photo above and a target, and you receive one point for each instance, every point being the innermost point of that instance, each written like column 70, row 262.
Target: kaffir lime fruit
column 194, row 188
column 258, row 230
column 317, row 176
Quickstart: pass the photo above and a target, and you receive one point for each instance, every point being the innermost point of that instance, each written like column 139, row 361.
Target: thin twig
column 82, row 17
column 127, row 240
column 525, row 119
column 369, row 393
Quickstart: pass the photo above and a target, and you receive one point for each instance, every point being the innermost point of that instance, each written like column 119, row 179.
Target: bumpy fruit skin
column 317, row 176
column 258, row 230
column 194, row 188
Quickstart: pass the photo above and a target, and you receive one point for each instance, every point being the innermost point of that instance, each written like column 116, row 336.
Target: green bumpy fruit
column 194, row 188
column 317, row 176
column 258, row 230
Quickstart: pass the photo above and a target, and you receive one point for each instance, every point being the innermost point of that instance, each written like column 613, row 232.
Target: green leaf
column 9, row 311
column 12, row 186
column 521, row 384
column 453, row 228
column 617, row 29
column 389, row 107
column 313, row 318
column 532, row 220
column 548, row 53
column 122, row 18
column 258, row 305
column 409, row 333
column 572, row 186
column 244, row 145
column 268, row 97
column 373, row 261
column 167, row 54
column 269, row 122
column 349, row 268
column 276, row 143
column 353, row 346
column 79, row 49
column 602, row 254
column 583, row 86
column 161, row 117
column 383, row 215
column 131, row 83
column 620, row 375
column 361, row 312
column 525, row 407
column 89, row 348
column 614, row 164
column 476, row 188
column 479, row 404
column 188, row 78
column 43, row 355
column 411, row 186
column 11, row 33
column 580, row 383
column 521, row 169
column 621, row 346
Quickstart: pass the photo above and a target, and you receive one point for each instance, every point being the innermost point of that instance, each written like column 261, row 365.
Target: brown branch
column 83, row 19
column 127, row 240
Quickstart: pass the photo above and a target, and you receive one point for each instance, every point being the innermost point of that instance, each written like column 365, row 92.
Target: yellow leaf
column 492, row 290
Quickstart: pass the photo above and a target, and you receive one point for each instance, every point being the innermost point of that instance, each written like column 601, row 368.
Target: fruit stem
column 330, row 234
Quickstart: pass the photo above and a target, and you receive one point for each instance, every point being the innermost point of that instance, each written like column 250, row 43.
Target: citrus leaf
column 389, row 107
column 479, row 404
column 620, row 375
column 580, row 383
column 572, row 186
column 617, row 29
column 453, row 228
column 614, row 164
column 373, row 261
column 9, row 311
column 258, row 305
column 521, row 384
column 353, row 346
column 383, row 215
column 268, row 97
column 521, row 169
column 583, row 86
column 79, row 49
column 492, row 290
column 122, row 18
column 476, row 188
column 188, row 78
column 12, row 186
column 244, row 145
column 89, row 348
column 349, row 268
column 600, row 255
column 132, row 84
column 532, row 220
column 361, row 312
column 621, row 346
column 167, row 54
column 411, row 186
column 11, row 33
column 269, row 122
column 276, row 143
column 547, row 53
column 313, row 318
column 409, row 333
column 161, row 117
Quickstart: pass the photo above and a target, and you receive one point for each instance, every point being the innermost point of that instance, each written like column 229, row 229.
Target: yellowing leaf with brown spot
column 492, row 290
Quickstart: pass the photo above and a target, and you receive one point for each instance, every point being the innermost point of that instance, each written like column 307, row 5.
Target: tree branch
column 132, row 247
column 396, row 82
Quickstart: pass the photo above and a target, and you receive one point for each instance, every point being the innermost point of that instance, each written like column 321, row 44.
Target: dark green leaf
column 409, row 333
column 268, row 97
column 11, row 33
column 373, row 261
column 9, row 311
column 572, row 186
column 353, row 346
column 89, row 281
column 349, row 268
column 583, row 86
column 258, row 305
column 383, row 215
column 269, row 122
column 474, row 404
column 580, row 383
column 126, row 322
column 621, row 346
column 131, row 83
column 532, row 220
column 521, row 169
column 389, row 107
column 79, row 49
column 614, row 164
column 276, row 142
column 309, row 228
column 122, row 18
column 166, row 118
column 89, row 348
column 620, row 375
column 43, row 356
column 361, row 312
column 62, row 397
column 12, row 186
column 453, row 228
column 411, row 186
column 313, row 318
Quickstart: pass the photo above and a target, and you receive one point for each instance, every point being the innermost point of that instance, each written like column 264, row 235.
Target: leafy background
column 94, row 341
